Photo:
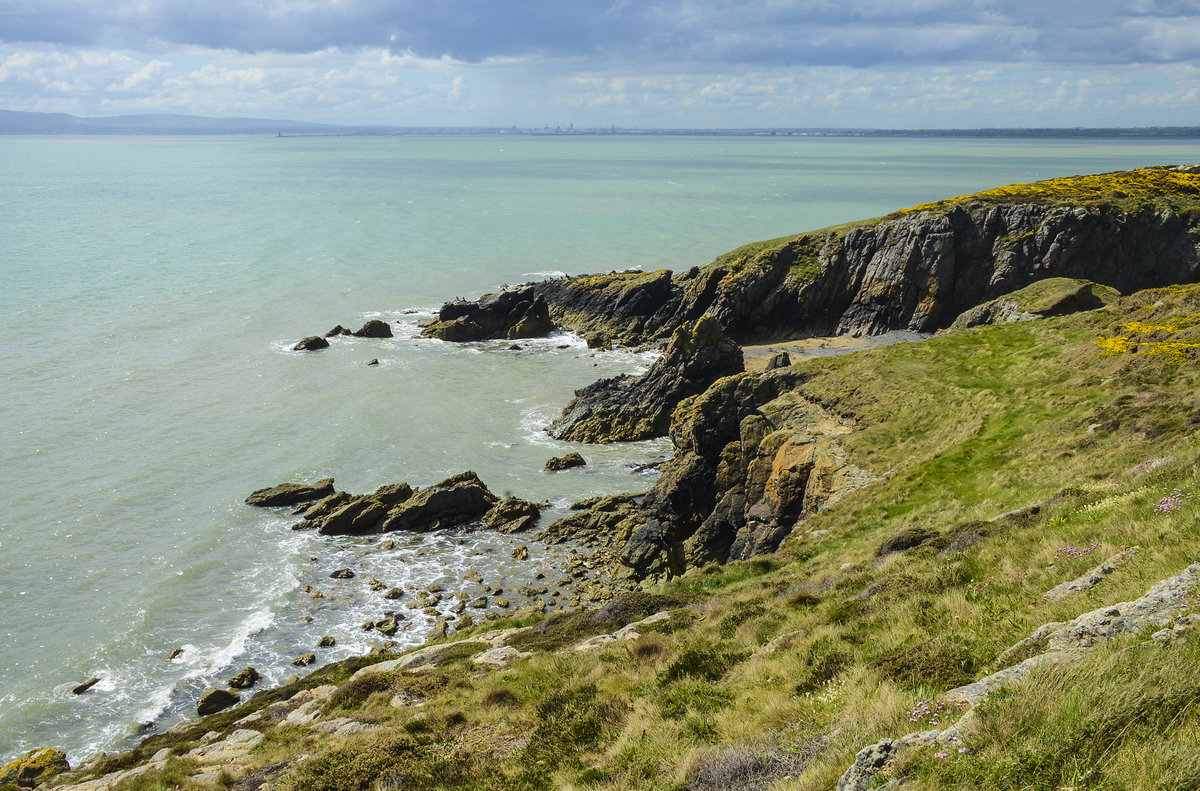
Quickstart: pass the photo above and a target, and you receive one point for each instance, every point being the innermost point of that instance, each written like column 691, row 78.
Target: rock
column 453, row 502
column 290, row 494
column 34, row 767
column 559, row 463
column 85, row 686
column 338, row 330
column 779, row 360
column 510, row 314
column 311, row 344
column 326, row 642
column 374, row 329
column 372, row 361
column 342, row 574
column 1054, row 296
column 214, row 700
column 304, row 660
column 521, row 553
column 175, row 654
column 868, row 763
column 1091, row 578
column 394, row 593
column 245, row 679
column 512, row 515
column 437, row 632
column 500, row 656
column 629, row 408
column 387, row 626
column 597, row 521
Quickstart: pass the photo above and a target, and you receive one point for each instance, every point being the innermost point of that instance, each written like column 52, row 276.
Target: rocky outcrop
column 567, row 462
column 512, row 515
column 1055, row 296
column 34, row 767
column 453, row 502
column 514, row 314
column 634, row 408
column 915, row 270
column 290, row 494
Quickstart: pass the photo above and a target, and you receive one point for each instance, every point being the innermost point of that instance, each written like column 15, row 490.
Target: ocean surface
column 151, row 288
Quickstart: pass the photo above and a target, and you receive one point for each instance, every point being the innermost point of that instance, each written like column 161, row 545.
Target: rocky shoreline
column 753, row 456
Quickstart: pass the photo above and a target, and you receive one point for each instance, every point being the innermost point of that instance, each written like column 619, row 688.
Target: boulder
column 559, row 463
column 628, row 408
column 387, row 626
column 85, row 686
column 779, row 360
column 245, row 679
column 338, row 330
column 311, row 344
column 374, row 329
column 328, row 641
column 34, row 767
column 453, row 502
column 342, row 574
column 349, row 514
column 512, row 515
column 304, row 660
column 214, row 700
column 290, row 494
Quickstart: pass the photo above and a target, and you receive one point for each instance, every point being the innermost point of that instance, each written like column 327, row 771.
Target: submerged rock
column 85, row 686
column 634, row 408
column 245, row 679
column 290, row 494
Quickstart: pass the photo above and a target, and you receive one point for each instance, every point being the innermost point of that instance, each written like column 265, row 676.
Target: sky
column 596, row 63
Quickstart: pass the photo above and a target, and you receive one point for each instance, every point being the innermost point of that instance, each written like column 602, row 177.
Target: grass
column 775, row 672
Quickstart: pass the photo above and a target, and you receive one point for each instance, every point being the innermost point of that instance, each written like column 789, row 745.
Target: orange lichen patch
column 1164, row 185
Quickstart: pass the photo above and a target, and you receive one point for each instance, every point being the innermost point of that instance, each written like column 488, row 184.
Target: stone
column 213, row 700
column 453, row 502
column 628, row 408
column 779, row 360
column 394, row 593
column 498, row 657
column 34, row 767
column 327, row 642
column 175, row 654
column 521, row 553
column 342, row 574
column 387, row 626
column 245, row 679
column 85, row 686
column 337, row 330
column 510, row 315
column 290, row 494
column 304, row 660
column 373, row 361
column 374, row 329
column 311, row 344
column 512, row 515
column 559, row 463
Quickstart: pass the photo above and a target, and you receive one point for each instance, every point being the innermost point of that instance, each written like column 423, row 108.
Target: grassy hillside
column 1010, row 459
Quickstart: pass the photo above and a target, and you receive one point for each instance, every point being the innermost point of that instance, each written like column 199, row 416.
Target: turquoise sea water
column 151, row 288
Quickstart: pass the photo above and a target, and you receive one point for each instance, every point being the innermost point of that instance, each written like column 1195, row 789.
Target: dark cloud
column 857, row 33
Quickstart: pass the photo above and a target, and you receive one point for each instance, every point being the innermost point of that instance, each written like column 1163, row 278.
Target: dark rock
column 512, row 515
column 347, row 514
column 453, row 502
column 779, row 360
column 521, row 553
column 338, row 330
column 394, row 593
column 342, row 574
column 509, row 314
column 290, row 494
column 372, row 361
column 326, row 642
column 374, row 329
column 559, row 463
column 311, row 344
column 245, row 679
column 175, row 654
column 85, row 686
column 387, row 626
column 304, row 660
column 598, row 521
column 34, row 768
column 634, row 408
column 214, row 700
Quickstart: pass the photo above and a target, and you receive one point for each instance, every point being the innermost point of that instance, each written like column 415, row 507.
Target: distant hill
column 13, row 122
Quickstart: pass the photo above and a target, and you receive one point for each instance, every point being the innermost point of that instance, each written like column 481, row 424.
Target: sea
column 151, row 289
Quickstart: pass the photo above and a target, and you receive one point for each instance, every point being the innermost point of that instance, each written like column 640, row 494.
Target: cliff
column 917, row 269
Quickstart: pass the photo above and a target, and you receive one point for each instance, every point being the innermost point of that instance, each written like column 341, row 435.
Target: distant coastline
column 14, row 122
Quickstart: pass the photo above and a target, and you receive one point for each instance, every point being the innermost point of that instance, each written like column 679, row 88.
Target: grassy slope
column 963, row 428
